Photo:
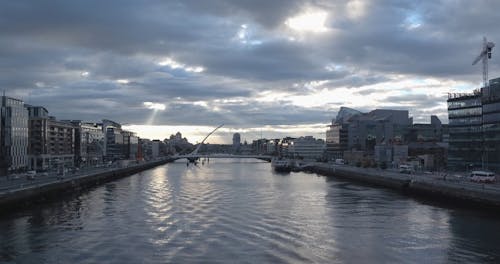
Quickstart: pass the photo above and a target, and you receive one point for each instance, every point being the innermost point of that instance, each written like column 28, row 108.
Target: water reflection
column 227, row 211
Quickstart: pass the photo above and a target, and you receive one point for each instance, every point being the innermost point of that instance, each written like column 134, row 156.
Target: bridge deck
column 222, row 156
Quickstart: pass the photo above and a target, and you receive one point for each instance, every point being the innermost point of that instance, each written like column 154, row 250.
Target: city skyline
column 263, row 69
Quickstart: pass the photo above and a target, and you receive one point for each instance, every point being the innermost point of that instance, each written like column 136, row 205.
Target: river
column 240, row 211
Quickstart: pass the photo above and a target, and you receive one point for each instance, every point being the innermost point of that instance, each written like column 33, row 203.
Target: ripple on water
column 241, row 212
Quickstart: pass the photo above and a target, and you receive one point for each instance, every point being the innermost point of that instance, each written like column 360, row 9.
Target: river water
column 239, row 211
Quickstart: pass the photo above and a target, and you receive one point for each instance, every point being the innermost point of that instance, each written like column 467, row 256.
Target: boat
column 281, row 165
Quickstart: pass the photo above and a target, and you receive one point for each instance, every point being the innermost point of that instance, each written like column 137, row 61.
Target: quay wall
column 36, row 194
column 483, row 195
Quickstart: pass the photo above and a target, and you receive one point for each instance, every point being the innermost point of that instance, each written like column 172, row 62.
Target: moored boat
column 281, row 165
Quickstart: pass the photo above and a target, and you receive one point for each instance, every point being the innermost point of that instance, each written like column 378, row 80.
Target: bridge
column 194, row 156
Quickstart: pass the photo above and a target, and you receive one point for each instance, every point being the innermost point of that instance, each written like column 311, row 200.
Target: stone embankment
column 31, row 194
column 425, row 185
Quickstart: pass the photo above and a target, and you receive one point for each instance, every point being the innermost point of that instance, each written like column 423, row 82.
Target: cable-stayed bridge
column 194, row 156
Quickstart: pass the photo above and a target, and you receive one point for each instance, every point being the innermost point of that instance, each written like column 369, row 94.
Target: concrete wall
column 37, row 194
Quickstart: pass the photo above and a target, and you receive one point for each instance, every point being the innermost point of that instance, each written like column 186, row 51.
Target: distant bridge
column 193, row 157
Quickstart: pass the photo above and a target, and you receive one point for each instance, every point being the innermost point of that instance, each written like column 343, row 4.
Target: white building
column 307, row 148
column 14, row 132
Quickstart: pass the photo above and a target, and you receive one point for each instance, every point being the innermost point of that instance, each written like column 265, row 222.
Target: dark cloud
column 68, row 55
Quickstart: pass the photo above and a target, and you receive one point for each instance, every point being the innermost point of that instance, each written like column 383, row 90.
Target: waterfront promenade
column 456, row 186
column 452, row 185
column 16, row 188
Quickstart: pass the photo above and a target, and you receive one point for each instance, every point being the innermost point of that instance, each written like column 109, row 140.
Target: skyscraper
column 236, row 142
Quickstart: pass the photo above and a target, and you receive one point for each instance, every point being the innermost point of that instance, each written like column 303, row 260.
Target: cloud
column 239, row 61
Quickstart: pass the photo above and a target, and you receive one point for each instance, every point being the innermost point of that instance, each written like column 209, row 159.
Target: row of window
column 495, row 107
column 464, row 103
column 491, row 118
column 475, row 111
column 465, row 121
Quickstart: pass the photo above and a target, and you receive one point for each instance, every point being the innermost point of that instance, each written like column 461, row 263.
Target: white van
column 30, row 175
column 405, row 168
column 482, row 176
column 340, row 161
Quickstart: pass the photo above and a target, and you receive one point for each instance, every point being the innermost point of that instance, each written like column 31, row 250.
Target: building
column 130, row 144
column 432, row 156
column 355, row 131
column 155, row 148
column 491, row 125
column 284, row 145
column 236, row 142
column 432, row 132
column 176, row 144
column 428, row 144
column 115, row 146
column 51, row 142
column 377, row 127
column 307, row 148
column 465, row 131
column 13, row 135
column 89, row 143
column 336, row 141
column 259, row 146
column 337, row 137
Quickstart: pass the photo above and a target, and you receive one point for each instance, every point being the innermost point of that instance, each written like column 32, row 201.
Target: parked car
column 404, row 168
column 30, row 175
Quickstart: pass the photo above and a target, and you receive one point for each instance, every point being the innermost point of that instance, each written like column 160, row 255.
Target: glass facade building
column 336, row 141
column 465, row 142
column 13, row 133
column 474, row 129
column 491, row 126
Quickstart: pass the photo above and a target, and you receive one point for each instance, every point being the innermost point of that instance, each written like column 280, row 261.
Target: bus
column 482, row 176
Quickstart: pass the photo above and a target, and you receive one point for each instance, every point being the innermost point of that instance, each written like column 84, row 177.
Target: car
column 404, row 168
column 30, row 175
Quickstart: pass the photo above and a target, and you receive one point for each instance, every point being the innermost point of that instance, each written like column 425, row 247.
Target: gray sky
column 260, row 67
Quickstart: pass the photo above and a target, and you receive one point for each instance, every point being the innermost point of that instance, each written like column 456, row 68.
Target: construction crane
column 485, row 55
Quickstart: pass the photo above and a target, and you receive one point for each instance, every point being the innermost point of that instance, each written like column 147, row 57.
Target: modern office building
column 376, row 127
column 474, row 129
column 113, row 140
column 119, row 144
column 353, row 130
column 307, row 148
column 465, row 130
column 13, row 134
column 89, row 143
column 336, row 140
column 491, row 125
